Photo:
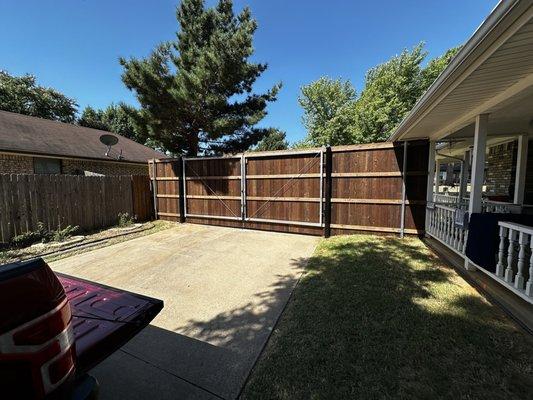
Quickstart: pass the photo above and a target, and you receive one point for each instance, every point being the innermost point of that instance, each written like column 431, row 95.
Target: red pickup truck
column 54, row 328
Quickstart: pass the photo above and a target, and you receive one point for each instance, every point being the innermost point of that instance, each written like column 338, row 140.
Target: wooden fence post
column 327, row 193
column 181, row 190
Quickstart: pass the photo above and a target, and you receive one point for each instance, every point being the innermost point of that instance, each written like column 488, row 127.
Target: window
column 46, row 165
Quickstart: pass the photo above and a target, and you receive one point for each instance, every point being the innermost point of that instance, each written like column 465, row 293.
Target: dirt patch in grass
column 105, row 237
column 380, row 317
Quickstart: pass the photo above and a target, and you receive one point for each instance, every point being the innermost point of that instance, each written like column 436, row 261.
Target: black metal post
column 327, row 193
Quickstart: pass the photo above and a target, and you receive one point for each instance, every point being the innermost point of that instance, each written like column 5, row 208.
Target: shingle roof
column 24, row 134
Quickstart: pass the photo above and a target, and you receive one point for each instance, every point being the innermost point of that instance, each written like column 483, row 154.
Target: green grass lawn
column 380, row 317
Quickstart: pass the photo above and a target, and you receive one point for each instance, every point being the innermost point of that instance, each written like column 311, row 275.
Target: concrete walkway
column 223, row 290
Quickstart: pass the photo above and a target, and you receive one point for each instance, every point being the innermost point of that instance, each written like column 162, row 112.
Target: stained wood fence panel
column 371, row 189
column 91, row 202
column 368, row 184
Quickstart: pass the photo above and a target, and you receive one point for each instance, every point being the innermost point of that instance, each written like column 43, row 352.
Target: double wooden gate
column 318, row 191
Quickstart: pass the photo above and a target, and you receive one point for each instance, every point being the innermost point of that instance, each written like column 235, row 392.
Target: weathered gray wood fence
column 91, row 202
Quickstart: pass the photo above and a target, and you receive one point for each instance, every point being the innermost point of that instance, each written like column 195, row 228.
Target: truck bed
column 104, row 318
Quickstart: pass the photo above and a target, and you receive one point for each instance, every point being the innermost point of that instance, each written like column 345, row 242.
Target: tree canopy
column 196, row 92
column 275, row 139
column 326, row 104
column 118, row 118
column 22, row 94
column 391, row 90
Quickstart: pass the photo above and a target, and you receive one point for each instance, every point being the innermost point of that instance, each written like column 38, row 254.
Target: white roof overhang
column 492, row 73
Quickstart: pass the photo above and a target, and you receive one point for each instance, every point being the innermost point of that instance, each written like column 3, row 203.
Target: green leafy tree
column 435, row 67
column 327, row 105
column 275, row 139
column 390, row 92
column 122, row 119
column 22, row 94
column 196, row 92
column 93, row 118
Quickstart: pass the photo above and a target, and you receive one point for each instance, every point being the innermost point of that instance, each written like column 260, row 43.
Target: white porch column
column 478, row 170
column 431, row 178
column 465, row 167
column 437, row 177
column 521, row 166
column 478, row 163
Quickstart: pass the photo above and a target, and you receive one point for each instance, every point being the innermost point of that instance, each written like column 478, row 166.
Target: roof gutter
column 463, row 57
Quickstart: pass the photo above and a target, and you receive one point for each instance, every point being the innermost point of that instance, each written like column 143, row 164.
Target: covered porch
column 478, row 118
column 480, row 201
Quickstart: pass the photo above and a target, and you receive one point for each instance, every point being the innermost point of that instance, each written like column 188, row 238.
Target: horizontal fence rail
column 376, row 187
column 56, row 201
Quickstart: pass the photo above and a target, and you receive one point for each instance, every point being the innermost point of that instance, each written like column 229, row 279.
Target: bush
column 61, row 235
column 25, row 239
column 41, row 234
column 125, row 219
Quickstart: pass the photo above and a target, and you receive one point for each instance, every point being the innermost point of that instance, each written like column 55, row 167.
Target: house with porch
column 478, row 118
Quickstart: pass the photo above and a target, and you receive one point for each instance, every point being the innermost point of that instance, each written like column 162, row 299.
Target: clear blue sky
column 74, row 45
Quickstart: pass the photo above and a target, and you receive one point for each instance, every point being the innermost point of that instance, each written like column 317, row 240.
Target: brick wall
column 15, row 164
column 501, row 169
column 76, row 167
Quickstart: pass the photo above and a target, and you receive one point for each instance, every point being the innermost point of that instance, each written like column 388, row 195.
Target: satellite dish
column 108, row 140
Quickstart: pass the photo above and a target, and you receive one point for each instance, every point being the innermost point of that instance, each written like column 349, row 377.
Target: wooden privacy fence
column 91, row 202
column 376, row 187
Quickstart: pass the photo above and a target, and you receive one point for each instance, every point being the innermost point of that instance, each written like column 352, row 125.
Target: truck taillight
column 61, row 367
column 46, row 344
column 44, row 329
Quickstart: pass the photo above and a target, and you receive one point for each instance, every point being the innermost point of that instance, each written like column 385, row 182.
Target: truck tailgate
column 104, row 318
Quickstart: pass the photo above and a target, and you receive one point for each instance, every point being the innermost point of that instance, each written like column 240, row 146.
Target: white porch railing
column 500, row 207
column 441, row 219
column 515, row 259
column 486, row 205
column 515, row 253
column 445, row 198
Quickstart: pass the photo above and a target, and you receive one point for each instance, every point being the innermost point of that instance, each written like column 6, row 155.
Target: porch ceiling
column 493, row 73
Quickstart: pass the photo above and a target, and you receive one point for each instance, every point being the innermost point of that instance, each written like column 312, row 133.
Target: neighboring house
column 479, row 112
column 30, row 145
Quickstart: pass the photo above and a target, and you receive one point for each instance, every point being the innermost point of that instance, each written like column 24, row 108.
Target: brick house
column 30, row 145
column 500, row 169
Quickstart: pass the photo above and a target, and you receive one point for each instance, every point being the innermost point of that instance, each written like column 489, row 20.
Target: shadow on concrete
column 201, row 358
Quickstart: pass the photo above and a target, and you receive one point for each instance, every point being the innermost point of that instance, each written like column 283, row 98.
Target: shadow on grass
column 379, row 317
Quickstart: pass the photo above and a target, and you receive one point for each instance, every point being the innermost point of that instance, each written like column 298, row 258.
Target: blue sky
column 74, row 45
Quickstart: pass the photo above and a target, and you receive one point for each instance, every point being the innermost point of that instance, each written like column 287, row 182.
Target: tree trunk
column 193, row 145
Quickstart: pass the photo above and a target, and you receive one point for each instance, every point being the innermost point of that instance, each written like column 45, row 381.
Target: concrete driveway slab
column 223, row 289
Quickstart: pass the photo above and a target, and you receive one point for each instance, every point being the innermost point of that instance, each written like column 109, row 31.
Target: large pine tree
column 196, row 91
